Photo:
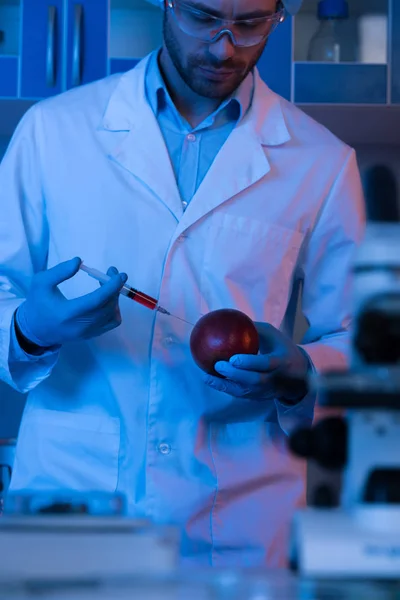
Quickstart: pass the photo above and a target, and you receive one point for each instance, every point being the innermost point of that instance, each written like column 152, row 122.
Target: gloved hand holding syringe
column 132, row 293
column 47, row 319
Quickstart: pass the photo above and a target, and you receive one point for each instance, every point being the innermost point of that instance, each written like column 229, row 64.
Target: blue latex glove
column 48, row 319
column 249, row 376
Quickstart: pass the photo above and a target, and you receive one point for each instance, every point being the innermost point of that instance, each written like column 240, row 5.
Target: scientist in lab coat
column 210, row 191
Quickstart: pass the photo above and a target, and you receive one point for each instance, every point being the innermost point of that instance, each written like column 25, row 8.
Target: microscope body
column 361, row 537
column 372, row 385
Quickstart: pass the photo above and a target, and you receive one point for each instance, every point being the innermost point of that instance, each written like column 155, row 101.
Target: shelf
column 341, row 83
column 359, row 125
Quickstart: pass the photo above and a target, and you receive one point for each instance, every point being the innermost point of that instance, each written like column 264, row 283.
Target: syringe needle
column 183, row 320
column 164, row 311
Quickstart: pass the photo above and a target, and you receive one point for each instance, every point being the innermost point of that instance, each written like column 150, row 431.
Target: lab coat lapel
column 243, row 159
column 143, row 151
column 239, row 164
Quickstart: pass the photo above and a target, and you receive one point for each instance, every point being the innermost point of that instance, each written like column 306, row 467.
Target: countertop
column 210, row 585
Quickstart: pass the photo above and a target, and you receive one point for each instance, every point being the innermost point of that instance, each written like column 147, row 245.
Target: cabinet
column 63, row 45
column 49, row 46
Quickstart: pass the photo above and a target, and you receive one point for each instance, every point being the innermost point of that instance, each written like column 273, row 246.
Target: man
column 210, row 191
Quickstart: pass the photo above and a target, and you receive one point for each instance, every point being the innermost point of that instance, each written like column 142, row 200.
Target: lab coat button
column 168, row 341
column 164, row 449
column 191, row 137
column 184, row 204
column 181, row 238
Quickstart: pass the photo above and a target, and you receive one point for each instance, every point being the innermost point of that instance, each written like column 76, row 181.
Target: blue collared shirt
column 193, row 150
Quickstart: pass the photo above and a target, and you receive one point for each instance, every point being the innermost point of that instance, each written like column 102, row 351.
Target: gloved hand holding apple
column 241, row 357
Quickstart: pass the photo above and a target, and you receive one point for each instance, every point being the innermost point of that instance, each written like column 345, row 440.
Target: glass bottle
column 326, row 46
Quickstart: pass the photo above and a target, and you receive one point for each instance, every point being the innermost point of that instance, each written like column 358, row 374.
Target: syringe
column 132, row 293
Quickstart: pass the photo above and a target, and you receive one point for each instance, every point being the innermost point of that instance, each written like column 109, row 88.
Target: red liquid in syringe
column 143, row 299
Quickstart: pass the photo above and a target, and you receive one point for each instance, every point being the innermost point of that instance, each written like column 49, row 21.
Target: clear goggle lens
column 209, row 29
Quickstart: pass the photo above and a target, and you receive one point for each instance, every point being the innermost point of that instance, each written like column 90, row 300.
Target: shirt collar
column 128, row 108
column 233, row 108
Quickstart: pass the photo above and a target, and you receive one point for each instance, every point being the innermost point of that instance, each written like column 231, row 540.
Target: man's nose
column 223, row 48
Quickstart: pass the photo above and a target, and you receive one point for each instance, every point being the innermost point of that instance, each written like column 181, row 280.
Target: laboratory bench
column 208, row 585
column 84, row 546
column 49, row 46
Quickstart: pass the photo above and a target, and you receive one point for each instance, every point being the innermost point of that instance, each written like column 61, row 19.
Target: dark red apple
column 221, row 334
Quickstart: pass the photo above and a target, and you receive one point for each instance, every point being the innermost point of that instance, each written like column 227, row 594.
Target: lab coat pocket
column 67, row 450
column 249, row 264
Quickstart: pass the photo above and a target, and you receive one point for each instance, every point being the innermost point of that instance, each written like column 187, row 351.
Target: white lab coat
column 87, row 174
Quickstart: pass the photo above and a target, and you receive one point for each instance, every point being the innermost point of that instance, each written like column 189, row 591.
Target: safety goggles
column 209, row 28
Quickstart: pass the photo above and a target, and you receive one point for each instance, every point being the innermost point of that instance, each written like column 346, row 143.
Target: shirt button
column 164, row 449
column 181, row 238
column 184, row 204
column 168, row 341
column 191, row 137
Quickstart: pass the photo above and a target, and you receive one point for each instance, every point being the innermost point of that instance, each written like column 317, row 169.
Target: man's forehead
column 236, row 8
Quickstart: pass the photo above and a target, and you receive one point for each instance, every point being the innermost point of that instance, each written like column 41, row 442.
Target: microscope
column 360, row 538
